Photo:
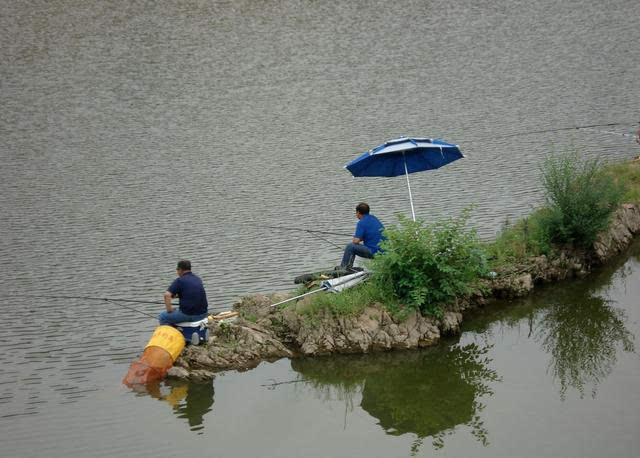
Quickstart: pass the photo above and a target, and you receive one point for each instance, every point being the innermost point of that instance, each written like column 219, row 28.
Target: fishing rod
column 335, row 285
column 328, row 241
column 297, row 229
column 91, row 298
column 616, row 133
column 113, row 300
column 562, row 129
column 104, row 299
column 312, row 232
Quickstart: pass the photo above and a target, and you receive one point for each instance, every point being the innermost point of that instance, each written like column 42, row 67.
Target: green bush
column 426, row 266
column 580, row 198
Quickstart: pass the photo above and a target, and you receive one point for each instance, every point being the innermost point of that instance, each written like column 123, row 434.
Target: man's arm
column 167, row 301
column 358, row 236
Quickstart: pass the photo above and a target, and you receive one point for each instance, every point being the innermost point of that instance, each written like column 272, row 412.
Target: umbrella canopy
column 402, row 157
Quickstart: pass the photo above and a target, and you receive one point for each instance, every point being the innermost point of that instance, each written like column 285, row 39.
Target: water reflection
column 576, row 323
column 188, row 400
column 427, row 393
column 582, row 333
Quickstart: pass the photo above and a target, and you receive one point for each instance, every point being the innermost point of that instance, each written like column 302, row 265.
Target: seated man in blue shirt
column 189, row 289
column 366, row 239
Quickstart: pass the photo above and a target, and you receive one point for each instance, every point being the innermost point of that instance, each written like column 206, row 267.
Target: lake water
column 138, row 133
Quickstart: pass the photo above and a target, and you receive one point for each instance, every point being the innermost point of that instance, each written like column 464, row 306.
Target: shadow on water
column 188, row 400
column 575, row 323
column 427, row 393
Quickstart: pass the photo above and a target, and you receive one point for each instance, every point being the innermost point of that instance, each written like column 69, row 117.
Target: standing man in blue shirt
column 189, row 289
column 366, row 239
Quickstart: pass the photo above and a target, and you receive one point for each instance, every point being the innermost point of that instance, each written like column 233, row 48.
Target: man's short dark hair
column 362, row 208
column 184, row 265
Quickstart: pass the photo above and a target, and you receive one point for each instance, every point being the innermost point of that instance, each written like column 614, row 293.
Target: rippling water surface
column 137, row 133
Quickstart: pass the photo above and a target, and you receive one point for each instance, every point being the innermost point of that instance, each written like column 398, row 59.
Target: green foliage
column 627, row 175
column 426, row 266
column 580, row 198
column 350, row 302
column 515, row 242
column 249, row 317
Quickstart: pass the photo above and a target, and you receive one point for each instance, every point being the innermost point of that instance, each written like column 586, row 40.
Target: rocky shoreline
column 266, row 333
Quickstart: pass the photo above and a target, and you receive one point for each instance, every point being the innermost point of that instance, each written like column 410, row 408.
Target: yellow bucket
column 168, row 338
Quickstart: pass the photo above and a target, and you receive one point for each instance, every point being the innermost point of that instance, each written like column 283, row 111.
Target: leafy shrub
column 425, row 266
column 580, row 198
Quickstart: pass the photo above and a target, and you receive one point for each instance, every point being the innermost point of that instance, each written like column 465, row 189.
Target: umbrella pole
column 406, row 173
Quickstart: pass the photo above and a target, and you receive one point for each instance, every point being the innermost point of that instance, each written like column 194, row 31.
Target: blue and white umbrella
column 403, row 156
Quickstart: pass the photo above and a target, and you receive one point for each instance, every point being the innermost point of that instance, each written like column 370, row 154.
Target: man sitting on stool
column 366, row 239
column 189, row 289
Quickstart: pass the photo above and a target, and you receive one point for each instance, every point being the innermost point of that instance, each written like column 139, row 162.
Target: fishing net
column 163, row 349
column 153, row 365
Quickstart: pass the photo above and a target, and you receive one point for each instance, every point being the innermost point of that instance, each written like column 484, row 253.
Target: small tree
column 426, row 266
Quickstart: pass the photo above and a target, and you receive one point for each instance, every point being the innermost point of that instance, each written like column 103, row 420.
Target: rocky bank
column 267, row 333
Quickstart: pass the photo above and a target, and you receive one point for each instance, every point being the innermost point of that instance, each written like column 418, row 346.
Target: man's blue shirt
column 369, row 230
column 190, row 290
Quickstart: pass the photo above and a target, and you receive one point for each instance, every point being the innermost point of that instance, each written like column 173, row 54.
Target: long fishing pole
column 328, row 241
column 297, row 229
column 91, row 298
column 310, row 231
column 104, row 299
column 115, row 300
column 561, row 129
column 616, row 133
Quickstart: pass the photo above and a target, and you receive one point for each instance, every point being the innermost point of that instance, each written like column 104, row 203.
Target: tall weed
column 580, row 198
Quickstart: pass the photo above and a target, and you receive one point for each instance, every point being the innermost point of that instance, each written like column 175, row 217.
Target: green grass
column 350, row 302
column 627, row 174
column 525, row 238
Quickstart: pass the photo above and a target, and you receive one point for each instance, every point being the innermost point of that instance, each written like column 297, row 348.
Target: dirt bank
column 272, row 333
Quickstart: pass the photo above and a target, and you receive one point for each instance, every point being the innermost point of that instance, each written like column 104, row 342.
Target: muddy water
column 135, row 133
